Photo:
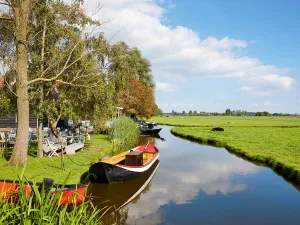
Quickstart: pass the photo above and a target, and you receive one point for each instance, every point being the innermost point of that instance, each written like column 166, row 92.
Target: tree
column 128, row 64
column 137, row 99
column 195, row 113
column 77, row 78
column 183, row 112
column 17, row 19
column 63, row 63
column 228, row 112
column 190, row 112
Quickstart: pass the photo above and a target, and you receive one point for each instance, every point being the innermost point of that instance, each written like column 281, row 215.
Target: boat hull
column 150, row 131
column 102, row 172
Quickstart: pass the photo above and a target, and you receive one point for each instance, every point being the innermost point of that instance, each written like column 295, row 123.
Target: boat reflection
column 144, row 139
column 118, row 195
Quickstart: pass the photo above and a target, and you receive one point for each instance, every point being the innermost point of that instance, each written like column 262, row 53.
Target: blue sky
column 210, row 55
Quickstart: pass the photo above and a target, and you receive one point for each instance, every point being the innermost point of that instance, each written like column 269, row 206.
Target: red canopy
column 150, row 148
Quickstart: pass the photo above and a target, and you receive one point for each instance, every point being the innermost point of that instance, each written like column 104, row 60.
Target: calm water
column 198, row 184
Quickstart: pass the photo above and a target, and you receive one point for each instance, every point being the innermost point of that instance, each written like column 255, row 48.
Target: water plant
column 123, row 133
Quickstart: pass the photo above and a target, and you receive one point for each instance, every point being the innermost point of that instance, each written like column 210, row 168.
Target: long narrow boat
column 70, row 193
column 124, row 166
column 148, row 131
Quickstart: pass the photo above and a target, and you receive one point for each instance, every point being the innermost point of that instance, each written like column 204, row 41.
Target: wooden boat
column 147, row 131
column 124, row 166
column 71, row 193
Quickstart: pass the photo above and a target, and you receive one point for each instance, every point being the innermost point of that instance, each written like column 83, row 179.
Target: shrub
column 123, row 133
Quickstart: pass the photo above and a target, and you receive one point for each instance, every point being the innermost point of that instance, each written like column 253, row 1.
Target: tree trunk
column 21, row 11
column 40, row 152
column 52, row 125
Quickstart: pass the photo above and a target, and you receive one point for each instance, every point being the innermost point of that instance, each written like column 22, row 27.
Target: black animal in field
column 217, row 129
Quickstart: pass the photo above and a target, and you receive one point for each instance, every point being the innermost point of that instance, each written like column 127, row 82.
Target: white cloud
column 256, row 91
column 180, row 52
column 165, row 87
column 224, row 43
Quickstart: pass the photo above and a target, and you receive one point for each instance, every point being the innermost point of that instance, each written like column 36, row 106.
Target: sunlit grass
column 38, row 168
column 228, row 121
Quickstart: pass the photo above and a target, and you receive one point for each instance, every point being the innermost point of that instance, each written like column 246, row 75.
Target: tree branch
column 5, row 18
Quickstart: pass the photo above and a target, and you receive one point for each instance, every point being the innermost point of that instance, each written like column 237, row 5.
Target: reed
column 42, row 207
column 123, row 134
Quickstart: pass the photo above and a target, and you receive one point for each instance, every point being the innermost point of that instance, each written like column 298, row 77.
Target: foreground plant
column 42, row 206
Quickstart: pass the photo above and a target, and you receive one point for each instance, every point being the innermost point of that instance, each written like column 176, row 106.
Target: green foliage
column 41, row 208
column 123, row 133
column 128, row 64
column 274, row 146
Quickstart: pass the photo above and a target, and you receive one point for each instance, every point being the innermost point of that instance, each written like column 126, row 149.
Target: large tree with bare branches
column 64, row 56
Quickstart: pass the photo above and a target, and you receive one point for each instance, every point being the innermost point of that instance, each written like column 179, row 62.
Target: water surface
column 198, row 184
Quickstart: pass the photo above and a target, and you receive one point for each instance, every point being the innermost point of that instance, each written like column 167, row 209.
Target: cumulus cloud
column 165, row 87
column 179, row 51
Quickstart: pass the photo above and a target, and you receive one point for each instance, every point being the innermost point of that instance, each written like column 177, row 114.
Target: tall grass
column 42, row 207
column 123, row 134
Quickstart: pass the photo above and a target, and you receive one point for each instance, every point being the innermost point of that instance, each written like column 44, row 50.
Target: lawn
column 228, row 121
column 75, row 165
column 277, row 147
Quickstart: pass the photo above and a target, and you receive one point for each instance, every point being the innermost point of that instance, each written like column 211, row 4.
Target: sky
column 210, row 55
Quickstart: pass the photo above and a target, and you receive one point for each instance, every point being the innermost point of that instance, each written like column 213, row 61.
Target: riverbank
column 229, row 121
column 276, row 147
column 75, row 165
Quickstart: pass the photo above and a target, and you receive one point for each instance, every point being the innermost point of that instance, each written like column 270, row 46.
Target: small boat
column 124, row 166
column 71, row 193
column 147, row 131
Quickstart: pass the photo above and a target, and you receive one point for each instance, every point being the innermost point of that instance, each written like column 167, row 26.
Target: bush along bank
column 275, row 147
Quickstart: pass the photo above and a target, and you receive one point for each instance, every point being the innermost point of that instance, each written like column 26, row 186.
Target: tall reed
column 123, row 133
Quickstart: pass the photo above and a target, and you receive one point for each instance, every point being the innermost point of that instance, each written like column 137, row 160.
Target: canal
column 199, row 184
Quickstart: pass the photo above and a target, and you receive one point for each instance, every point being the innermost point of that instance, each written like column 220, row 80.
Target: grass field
column 38, row 168
column 276, row 147
column 229, row 121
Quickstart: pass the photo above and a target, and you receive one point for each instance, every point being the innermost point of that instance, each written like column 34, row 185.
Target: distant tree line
column 229, row 112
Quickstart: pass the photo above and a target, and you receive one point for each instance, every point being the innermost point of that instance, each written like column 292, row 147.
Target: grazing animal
column 217, row 129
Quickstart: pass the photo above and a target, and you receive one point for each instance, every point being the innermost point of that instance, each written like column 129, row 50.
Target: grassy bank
column 229, row 121
column 276, row 147
column 76, row 165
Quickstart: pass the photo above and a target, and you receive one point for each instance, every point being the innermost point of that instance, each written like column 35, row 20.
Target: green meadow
column 75, row 165
column 229, row 121
column 279, row 148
